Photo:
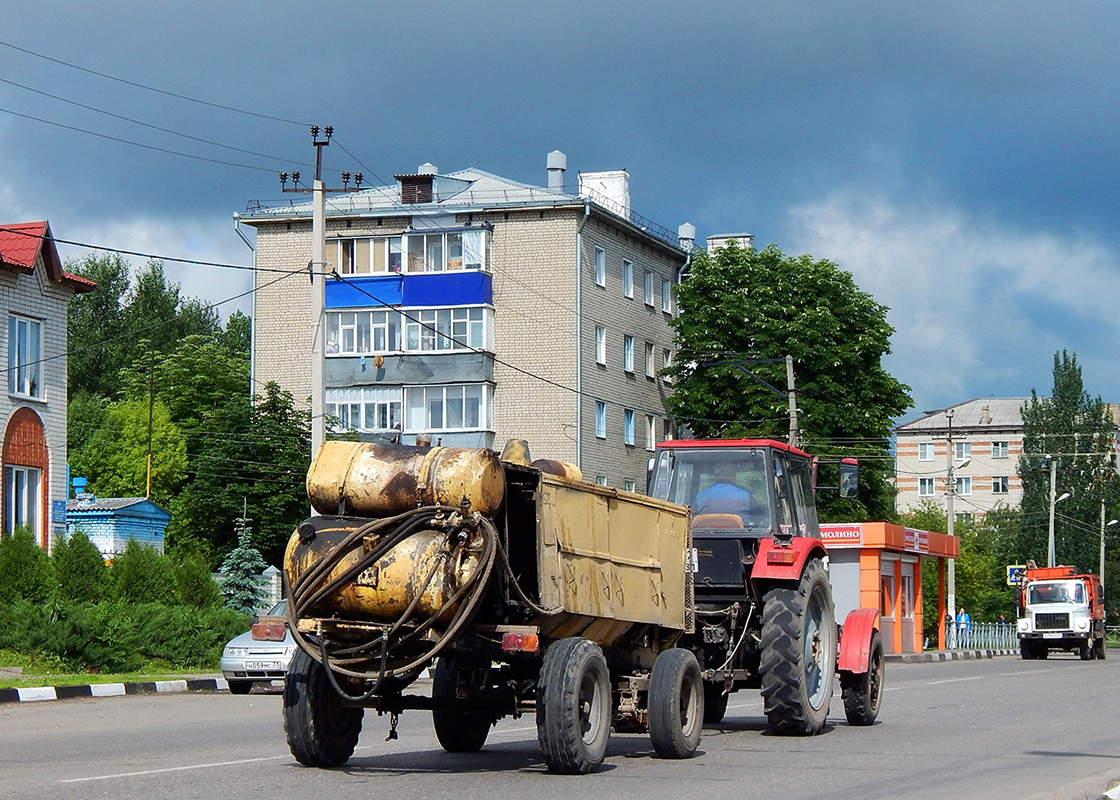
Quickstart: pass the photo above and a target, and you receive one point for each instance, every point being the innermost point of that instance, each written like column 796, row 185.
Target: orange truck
column 1060, row 609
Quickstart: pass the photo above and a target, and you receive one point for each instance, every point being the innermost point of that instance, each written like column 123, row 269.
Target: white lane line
column 172, row 769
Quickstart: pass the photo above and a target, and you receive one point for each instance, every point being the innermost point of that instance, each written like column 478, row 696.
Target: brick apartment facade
column 34, row 291
column 476, row 309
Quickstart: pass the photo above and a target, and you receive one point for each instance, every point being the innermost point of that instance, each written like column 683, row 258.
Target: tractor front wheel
column 863, row 691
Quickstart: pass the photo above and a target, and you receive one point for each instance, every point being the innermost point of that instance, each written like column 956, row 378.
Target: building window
column 600, row 266
column 433, row 329
column 447, row 408
column 964, row 486
column 426, row 330
column 628, row 426
column 628, row 353
column 627, row 278
column 925, row 451
column 667, row 295
column 601, row 480
column 1000, row 449
column 364, row 408
column 21, row 498
column 629, row 485
column 447, row 250
column 962, row 450
column 25, row 351
column 600, row 419
column 600, row 345
column 651, row 368
column 651, row 432
column 647, row 288
column 925, row 487
column 999, row 485
column 668, row 428
column 667, row 361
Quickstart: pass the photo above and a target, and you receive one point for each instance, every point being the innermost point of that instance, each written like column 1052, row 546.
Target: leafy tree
column 742, row 312
column 195, row 585
column 95, row 341
column 141, row 574
column 158, row 313
column 85, row 413
column 79, row 568
column 115, row 457
column 243, row 588
column 238, row 334
column 25, row 572
column 1078, row 431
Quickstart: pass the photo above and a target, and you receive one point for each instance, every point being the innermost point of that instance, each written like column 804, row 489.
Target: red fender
column 855, row 640
column 784, row 562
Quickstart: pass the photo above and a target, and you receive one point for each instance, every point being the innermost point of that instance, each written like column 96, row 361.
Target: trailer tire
column 863, row 691
column 799, row 653
column 574, row 707
column 676, row 704
column 321, row 731
column 457, row 730
column 715, row 703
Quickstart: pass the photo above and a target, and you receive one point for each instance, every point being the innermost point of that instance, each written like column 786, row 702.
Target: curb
column 32, row 694
column 946, row 655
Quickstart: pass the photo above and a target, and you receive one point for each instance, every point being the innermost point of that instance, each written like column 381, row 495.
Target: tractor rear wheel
column 676, row 704
column 863, row 691
column 574, row 706
column 457, row 729
column 799, row 653
column 321, row 730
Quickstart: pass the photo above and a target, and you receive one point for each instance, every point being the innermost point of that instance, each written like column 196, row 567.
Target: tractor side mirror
column 849, row 478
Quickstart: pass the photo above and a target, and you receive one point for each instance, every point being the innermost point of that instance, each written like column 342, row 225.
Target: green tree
column 158, row 313
column 141, row 574
column 79, row 569
column 195, row 585
column 1078, row 432
column 25, row 572
column 96, row 345
column 742, row 312
column 243, row 588
column 115, row 457
column 237, row 335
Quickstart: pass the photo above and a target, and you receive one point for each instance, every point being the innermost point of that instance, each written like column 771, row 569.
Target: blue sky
column 960, row 159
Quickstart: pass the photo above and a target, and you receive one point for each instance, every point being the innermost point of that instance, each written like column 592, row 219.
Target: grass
column 51, row 672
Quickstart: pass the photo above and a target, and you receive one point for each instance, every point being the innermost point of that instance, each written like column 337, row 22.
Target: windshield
column 1056, row 592
column 716, row 481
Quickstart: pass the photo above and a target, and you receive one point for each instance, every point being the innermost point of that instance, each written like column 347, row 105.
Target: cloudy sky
column 959, row 158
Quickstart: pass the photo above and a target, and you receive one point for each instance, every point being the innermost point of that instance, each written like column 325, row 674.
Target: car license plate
column 1051, row 636
column 264, row 665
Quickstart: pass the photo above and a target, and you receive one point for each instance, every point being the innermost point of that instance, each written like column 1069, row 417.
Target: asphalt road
column 965, row 729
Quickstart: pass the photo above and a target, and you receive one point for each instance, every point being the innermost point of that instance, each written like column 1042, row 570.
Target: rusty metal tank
column 380, row 480
column 385, row 590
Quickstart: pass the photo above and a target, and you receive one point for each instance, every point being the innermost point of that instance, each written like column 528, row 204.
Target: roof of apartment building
column 22, row 242
column 474, row 190
column 985, row 413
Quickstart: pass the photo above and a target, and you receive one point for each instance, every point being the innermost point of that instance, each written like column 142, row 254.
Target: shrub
column 25, row 571
column 142, row 575
column 79, row 569
column 195, row 587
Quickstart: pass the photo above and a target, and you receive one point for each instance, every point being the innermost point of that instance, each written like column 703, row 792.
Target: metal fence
column 997, row 636
column 980, row 636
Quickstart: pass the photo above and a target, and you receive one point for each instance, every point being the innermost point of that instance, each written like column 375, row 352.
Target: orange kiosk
column 877, row 564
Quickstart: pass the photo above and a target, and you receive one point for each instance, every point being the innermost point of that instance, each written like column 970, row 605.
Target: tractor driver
column 724, row 496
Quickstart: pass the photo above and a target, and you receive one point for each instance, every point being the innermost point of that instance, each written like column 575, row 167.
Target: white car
column 260, row 654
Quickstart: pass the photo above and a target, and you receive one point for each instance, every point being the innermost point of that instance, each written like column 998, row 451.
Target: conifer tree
column 243, row 588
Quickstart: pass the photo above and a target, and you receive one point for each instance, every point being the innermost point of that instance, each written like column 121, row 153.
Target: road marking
column 172, row 769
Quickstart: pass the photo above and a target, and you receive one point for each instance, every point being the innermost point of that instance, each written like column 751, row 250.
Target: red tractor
column 764, row 612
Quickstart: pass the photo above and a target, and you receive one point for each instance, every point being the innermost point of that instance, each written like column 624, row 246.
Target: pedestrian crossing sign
column 1015, row 574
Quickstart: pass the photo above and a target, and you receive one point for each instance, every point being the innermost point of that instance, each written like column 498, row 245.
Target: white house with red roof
column 34, row 291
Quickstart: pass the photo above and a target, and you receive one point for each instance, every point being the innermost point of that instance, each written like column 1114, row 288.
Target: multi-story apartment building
column 474, row 309
column 34, row 291
column 986, row 437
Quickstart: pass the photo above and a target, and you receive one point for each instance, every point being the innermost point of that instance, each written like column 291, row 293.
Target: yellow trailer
column 528, row 591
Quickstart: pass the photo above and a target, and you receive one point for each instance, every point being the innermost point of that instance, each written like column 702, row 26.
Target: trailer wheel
column 574, row 706
column 676, row 704
column 715, row 703
column 799, row 653
column 458, row 731
column 863, row 691
column 321, row 731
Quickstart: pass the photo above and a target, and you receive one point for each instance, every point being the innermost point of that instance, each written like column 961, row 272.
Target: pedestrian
column 964, row 627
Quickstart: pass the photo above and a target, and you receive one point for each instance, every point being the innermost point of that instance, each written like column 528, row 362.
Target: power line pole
column 791, row 393
column 317, row 269
column 950, row 516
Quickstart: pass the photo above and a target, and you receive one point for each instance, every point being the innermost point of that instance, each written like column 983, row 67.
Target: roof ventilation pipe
column 557, row 164
column 686, row 234
column 427, row 168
